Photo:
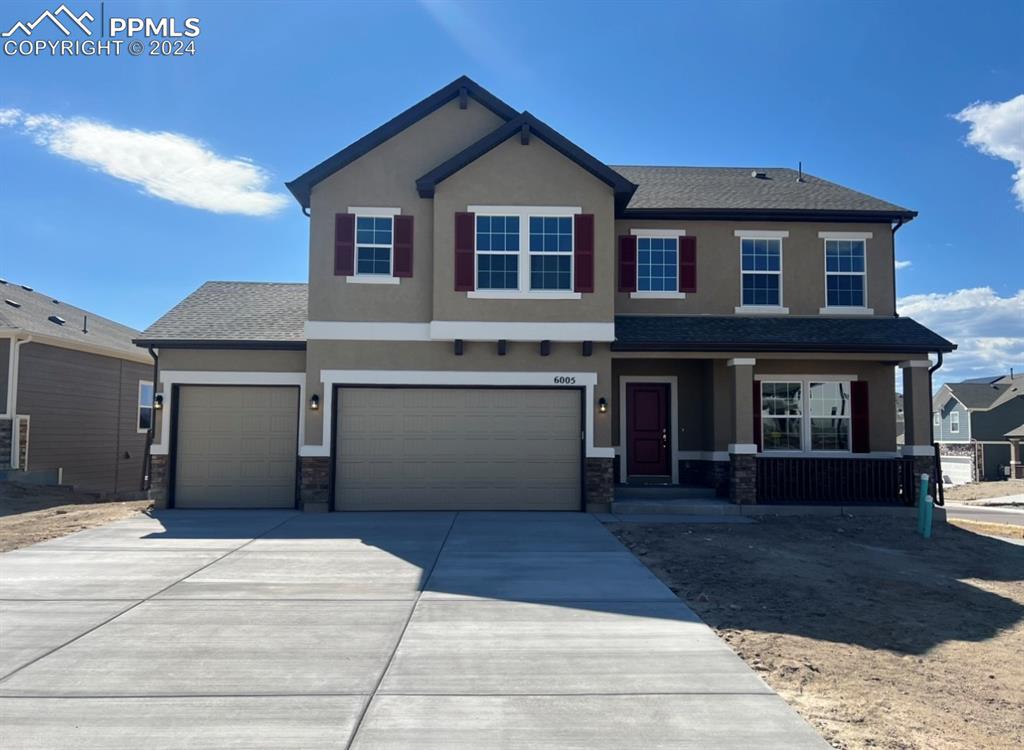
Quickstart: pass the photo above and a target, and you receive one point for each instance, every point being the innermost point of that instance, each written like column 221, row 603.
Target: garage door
column 236, row 447
column 457, row 449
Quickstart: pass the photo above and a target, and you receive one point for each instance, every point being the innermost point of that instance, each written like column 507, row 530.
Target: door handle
column 664, row 437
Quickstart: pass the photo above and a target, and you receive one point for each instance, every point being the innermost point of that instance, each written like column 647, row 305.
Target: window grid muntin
column 374, row 245
column 954, row 421
column 657, row 264
column 845, row 273
column 497, row 251
column 811, row 415
column 829, row 412
column 761, row 271
column 550, row 252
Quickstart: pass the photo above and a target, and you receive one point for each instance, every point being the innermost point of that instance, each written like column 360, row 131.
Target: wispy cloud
column 997, row 129
column 171, row 166
column 463, row 24
column 988, row 329
column 901, row 264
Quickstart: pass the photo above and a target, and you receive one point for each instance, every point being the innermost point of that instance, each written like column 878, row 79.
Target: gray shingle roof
column 734, row 188
column 234, row 311
column 32, row 311
column 975, row 395
column 728, row 333
column 1017, row 431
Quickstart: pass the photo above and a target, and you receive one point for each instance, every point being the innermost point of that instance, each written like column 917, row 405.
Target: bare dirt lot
column 30, row 514
column 879, row 638
column 962, row 493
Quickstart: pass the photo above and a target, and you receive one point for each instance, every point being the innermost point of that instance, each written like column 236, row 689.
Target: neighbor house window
column 830, row 416
column 497, row 252
column 936, row 420
column 144, row 422
column 761, row 263
column 551, row 252
column 802, row 415
column 844, row 273
column 374, row 245
column 954, row 421
column 781, row 416
column 657, row 264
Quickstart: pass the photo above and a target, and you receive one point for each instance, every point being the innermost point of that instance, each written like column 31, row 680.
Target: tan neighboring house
column 495, row 319
column 76, row 395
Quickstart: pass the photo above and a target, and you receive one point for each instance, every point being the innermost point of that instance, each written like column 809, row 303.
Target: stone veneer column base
column 600, row 484
column 743, row 478
column 314, row 484
column 924, row 465
column 158, row 481
column 5, row 443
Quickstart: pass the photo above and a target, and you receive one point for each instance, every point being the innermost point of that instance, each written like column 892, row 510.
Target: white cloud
column 997, row 129
column 901, row 264
column 171, row 166
column 988, row 329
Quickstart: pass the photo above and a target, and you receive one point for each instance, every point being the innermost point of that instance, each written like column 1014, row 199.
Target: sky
column 126, row 182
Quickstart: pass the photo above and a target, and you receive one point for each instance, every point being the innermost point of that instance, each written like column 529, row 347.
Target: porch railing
column 835, row 481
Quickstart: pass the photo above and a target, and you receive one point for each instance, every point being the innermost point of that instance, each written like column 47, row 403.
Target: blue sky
column 863, row 93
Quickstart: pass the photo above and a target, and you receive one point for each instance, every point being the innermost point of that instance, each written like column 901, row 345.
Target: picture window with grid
column 761, row 264
column 551, row 252
column 497, row 252
column 657, row 264
column 844, row 273
column 374, row 245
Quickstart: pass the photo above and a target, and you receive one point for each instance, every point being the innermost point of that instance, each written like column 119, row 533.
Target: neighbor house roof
column 234, row 314
column 302, row 186
column 738, row 333
column 755, row 192
column 1017, row 431
column 55, row 322
column 974, row 395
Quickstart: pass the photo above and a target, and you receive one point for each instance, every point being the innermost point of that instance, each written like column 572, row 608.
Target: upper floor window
column 144, row 420
column 497, row 252
column 657, row 264
column 374, row 245
column 761, row 264
column 936, row 420
column 551, row 252
column 954, row 421
column 844, row 273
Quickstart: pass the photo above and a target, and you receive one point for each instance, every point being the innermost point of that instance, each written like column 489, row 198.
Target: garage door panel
column 236, row 447
column 451, row 448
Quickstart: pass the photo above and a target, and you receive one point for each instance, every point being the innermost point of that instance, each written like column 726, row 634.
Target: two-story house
column 495, row 319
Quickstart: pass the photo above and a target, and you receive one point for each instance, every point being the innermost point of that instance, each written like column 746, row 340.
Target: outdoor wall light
column 314, row 402
column 602, row 404
column 158, row 401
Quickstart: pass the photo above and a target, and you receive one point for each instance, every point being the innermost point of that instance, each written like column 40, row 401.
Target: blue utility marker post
column 924, row 510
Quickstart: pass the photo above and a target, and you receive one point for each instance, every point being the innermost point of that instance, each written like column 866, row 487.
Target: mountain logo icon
column 55, row 17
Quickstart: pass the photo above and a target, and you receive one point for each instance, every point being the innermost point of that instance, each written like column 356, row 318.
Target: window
column 954, row 421
column 144, row 422
column 761, row 264
column 802, row 415
column 657, row 264
column 551, row 252
column 497, row 252
column 936, row 420
column 844, row 273
column 373, row 245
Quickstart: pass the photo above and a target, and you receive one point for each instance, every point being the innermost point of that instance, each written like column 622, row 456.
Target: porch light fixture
column 602, row 404
column 158, row 401
column 314, row 402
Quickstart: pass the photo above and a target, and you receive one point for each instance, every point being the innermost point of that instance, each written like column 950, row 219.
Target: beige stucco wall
column 803, row 267
column 513, row 174
column 228, row 360
column 477, row 356
column 386, row 177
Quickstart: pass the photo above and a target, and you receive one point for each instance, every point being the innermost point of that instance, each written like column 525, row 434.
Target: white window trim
column 954, row 424
column 936, row 420
column 374, row 278
column 139, row 407
column 524, row 255
column 673, row 383
column 845, row 309
column 661, row 234
column 779, row 309
column 805, row 413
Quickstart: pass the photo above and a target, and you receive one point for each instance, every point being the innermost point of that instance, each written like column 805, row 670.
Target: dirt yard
column 963, row 493
column 30, row 514
column 877, row 637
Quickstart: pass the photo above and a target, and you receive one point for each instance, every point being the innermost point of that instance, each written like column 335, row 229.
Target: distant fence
column 835, row 481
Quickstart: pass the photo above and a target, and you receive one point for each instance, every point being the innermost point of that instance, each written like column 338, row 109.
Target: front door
column 648, row 448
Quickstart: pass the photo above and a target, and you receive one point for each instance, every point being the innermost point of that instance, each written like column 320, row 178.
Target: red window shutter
column 859, row 420
column 403, row 247
column 344, row 244
column 465, row 243
column 687, row 264
column 583, row 253
column 758, row 438
column 627, row 263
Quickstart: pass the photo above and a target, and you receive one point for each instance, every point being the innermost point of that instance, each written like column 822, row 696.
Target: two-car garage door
column 457, row 449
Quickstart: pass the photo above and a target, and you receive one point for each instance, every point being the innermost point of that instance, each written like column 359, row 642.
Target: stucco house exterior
column 76, row 395
column 496, row 319
column 977, row 421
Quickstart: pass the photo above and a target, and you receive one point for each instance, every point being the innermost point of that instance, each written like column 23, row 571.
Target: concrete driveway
column 260, row 629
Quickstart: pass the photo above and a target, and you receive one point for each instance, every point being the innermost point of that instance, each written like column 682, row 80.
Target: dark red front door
column 648, row 449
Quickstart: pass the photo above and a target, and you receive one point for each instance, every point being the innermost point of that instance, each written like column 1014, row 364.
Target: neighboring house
column 971, row 420
column 495, row 319
column 76, row 394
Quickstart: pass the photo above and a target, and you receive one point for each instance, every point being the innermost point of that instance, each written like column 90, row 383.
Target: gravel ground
column 879, row 638
column 963, row 493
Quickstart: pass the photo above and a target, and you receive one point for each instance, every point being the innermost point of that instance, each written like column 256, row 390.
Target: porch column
column 917, row 419
column 1016, row 469
column 742, row 446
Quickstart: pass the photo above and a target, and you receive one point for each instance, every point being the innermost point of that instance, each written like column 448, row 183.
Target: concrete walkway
column 428, row 630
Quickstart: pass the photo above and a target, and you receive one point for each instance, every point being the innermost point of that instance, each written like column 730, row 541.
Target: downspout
column 896, row 228
column 940, row 494
column 147, row 469
column 12, row 398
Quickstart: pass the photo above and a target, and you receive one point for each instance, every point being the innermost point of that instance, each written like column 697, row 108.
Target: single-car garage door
column 457, row 449
column 236, row 446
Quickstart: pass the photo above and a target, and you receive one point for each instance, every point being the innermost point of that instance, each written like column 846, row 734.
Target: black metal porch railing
column 835, row 481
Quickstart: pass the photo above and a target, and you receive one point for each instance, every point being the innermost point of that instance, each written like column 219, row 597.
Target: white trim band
column 845, row 235
column 918, row 450
column 761, row 310
column 531, row 210
column 372, row 211
column 372, row 278
column 535, row 294
column 657, row 295
column 845, row 311
column 916, row 363
column 761, row 234
column 667, row 233
column 742, row 449
column 741, row 362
